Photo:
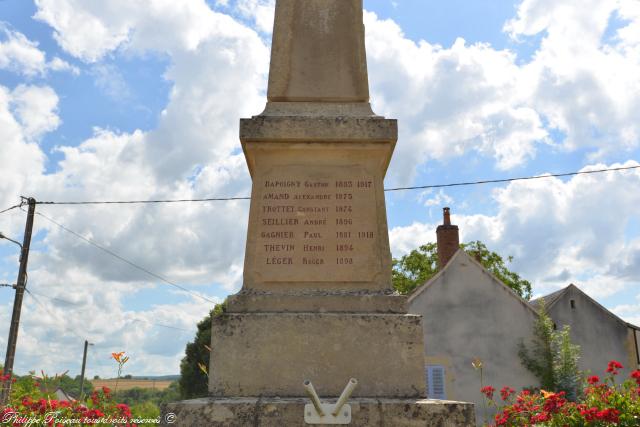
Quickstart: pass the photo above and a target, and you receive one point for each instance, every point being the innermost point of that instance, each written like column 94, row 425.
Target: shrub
column 552, row 358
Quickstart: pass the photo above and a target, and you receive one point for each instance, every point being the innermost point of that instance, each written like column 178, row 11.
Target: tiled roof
column 549, row 299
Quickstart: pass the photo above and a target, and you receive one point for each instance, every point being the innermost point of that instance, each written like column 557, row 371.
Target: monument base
column 271, row 354
column 289, row 412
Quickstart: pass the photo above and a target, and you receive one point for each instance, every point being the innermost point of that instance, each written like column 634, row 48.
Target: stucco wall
column 600, row 336
column 468, row 314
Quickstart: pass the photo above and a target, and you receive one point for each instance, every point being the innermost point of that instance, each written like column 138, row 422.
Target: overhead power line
column 62, row 324
column 63, row 301
column 160, row 324
column 524, row 178
column 133, row 202
column 418, row 187
column 131, row 263
column 12, row 207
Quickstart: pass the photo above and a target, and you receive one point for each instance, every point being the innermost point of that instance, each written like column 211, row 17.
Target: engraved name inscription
column 316, row 229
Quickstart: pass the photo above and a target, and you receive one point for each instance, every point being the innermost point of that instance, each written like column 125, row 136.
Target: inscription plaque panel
column 315, row 224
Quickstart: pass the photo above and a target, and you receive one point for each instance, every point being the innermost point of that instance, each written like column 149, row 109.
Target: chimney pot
column 448, row 239
column 447, row 216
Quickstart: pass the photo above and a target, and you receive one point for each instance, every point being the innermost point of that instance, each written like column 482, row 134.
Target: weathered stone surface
column 271, row 354
column 318, row 109
column 318, row 52
column 268, row 412
column 318, row 128
column 317, row 218
column 318, row 302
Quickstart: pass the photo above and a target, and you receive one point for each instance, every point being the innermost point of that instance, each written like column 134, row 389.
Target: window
column 435, row 376
column 573, row 303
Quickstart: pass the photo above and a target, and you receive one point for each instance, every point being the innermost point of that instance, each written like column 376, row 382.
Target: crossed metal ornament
column 317, row 412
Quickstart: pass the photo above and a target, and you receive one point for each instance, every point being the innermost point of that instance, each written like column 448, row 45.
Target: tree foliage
column 193, row 381
column 418, row 266
column 552, row 358
column 415, row 268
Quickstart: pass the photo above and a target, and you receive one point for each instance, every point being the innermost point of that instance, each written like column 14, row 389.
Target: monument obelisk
column 317, row 302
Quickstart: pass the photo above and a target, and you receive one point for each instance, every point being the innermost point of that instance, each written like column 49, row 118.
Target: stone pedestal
column 271, row 354
column 288, row 412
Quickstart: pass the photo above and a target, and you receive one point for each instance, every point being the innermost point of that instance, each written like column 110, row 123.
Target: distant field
column 124, row 384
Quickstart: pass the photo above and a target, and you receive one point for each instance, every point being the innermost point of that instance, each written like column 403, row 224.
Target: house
column 601, row 335
column 470, row 314
column 62, row 395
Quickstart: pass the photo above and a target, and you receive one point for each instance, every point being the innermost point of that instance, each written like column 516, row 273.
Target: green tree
column 193, row 380
column 565, row 363
column 539, row 358
column 552, row 358
column 415, row 268
column 418, row 266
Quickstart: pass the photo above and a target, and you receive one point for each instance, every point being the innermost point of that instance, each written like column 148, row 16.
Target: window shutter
column 435, row 382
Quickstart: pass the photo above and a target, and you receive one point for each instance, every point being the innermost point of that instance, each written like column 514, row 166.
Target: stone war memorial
column 316, row 311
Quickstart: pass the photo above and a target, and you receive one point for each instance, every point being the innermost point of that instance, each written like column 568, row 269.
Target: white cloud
column 154, row 337
column 21, row 55
column 35, row 107
column 450, row 100
column 559, row 232
column 26, row 113
column 440, row 198
column 579, row 83
column 57, row 64
column 90, row 31
column 111, row 82
column 629, row 312
column 585, row 85
column 260, row 11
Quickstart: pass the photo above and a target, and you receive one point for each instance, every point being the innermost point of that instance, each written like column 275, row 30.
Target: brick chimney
column 447, row 238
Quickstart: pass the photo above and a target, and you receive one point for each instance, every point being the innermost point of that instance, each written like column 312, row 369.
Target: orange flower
column 117, row 356
column 546, row 394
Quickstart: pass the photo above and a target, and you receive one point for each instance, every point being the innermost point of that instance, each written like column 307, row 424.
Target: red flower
column 610, row 415
column 124, row 410
column 589, row 414
column 106, row 390
column 5, row 411
column 613, row 367
column 554, row 401
column 506, row 392
column 95, row 399
column 636, row 376
column 501, row 419
column 593, row 379
column 540, row 418
column 488, row 391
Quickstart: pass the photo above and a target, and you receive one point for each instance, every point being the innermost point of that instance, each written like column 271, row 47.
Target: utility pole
column 17, row 302
column 84, row 364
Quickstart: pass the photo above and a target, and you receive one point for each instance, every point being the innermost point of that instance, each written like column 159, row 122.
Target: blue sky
column 118, row 101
